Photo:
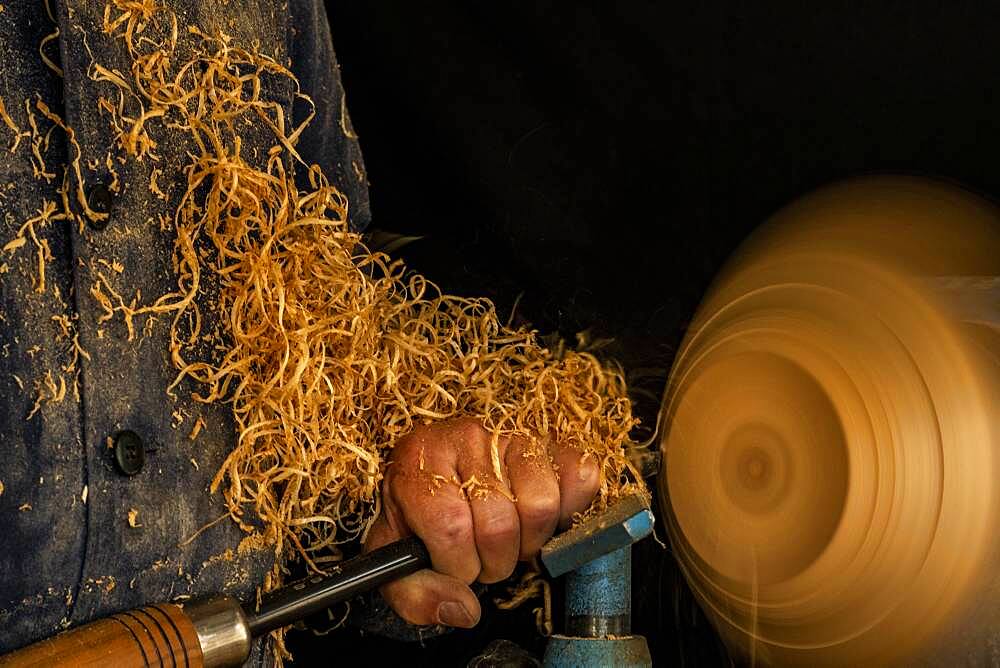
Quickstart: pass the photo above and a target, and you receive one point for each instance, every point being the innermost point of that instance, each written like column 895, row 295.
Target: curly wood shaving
column 37, row 147
column 531, row 585
column 9, row 122
column 43, row 253
column 45, row 59
column 48, row 391
column 74, row 162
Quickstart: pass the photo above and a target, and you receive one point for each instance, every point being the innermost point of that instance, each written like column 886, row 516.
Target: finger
column 494, row 516
column 579, row 481
column 433, row 506
column 427, row 597
column 536, row 488
column 498, row 535
column 444, row 521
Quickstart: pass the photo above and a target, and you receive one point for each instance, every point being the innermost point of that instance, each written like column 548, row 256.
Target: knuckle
column 588, row 477
column 451, row 523
column 539, row 510
column 406, row 451
column 497, row 527
column 468, row 431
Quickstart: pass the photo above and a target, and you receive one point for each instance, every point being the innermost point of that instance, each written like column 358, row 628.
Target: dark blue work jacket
column 68, row 550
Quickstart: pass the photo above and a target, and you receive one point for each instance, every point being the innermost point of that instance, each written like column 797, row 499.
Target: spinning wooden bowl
column 832, row 433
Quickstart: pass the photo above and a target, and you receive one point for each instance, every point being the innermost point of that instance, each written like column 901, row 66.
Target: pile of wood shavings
column 332, row 352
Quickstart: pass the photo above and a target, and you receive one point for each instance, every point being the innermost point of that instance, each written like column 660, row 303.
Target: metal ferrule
column 223, row 631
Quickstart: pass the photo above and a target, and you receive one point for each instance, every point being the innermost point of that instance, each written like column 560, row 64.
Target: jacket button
column 99, row 200
column 130, row 453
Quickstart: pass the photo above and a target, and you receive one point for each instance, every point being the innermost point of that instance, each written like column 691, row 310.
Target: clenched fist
column 443, row 486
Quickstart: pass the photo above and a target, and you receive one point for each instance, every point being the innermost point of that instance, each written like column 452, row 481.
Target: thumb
column 427, row 597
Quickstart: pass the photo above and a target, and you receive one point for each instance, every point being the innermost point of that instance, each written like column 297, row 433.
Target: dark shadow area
column 601, row 160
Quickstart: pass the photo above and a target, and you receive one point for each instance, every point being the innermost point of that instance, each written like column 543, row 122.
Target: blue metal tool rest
column 599, row 611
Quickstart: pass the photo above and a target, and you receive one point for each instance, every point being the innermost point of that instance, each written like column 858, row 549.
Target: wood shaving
column 14, row 244
column 199, row 424
column 531, row 585
column 114, row 265
column 48, row 390
column 495, row 457
column 154, row 186
column 474, row 488
column 345, row 119
column 45, row 59
column 9, row 122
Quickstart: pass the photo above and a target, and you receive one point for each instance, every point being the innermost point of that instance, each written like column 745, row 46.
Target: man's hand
column 481, row 530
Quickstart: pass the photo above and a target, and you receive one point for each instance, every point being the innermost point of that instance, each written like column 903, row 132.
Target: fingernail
column 452, row 613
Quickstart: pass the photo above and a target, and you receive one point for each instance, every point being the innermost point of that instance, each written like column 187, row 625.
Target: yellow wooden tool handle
column 157, row 635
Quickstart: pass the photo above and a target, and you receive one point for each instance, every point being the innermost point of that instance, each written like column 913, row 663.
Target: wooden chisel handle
column 157, row 635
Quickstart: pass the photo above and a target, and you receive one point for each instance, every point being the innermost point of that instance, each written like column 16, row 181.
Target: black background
column 603, row 161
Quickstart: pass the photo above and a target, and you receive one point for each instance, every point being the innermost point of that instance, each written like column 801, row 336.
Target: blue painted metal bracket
column 596, row 558
column 628, row 521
